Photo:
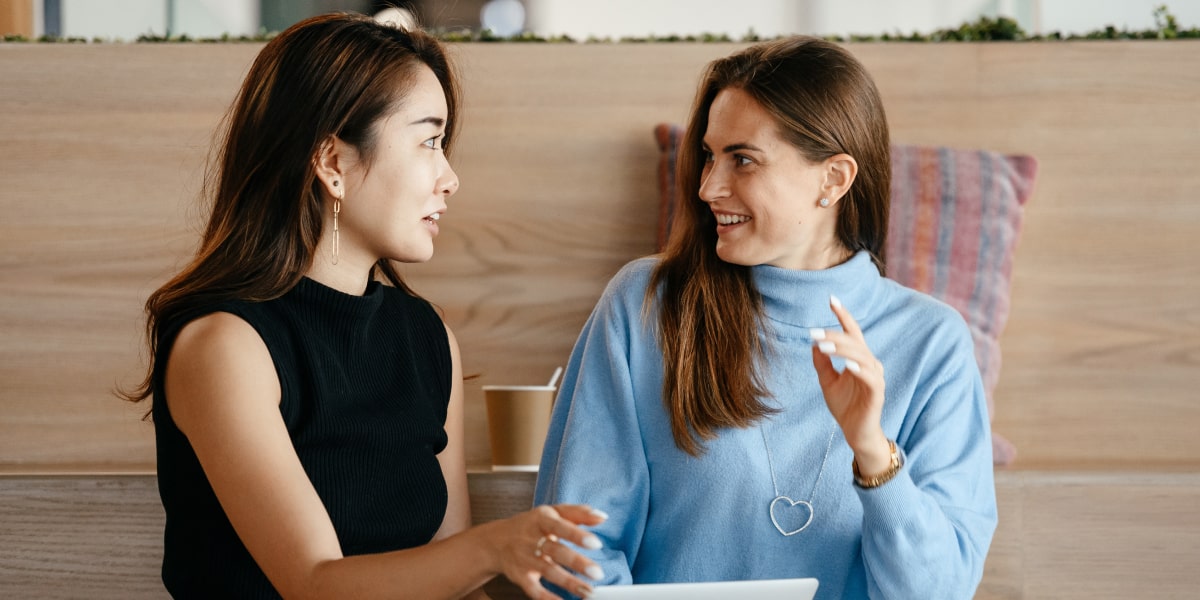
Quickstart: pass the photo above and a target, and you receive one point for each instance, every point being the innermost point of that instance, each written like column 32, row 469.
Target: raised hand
column 854, row 395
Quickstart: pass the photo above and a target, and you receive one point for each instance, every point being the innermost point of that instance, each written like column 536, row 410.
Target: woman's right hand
column 533, row 545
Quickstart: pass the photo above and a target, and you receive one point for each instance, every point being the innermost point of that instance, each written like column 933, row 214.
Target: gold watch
column 873, row 482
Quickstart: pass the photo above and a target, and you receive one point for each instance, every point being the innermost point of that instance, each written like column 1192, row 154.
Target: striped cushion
column 955, row 221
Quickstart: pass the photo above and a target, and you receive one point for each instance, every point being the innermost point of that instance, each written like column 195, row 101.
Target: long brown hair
column 331, row 75
column 824, row 103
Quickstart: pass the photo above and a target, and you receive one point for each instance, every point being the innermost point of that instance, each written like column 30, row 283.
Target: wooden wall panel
column 1068, row 537
column 558, row 191
column 94, row 537
column 104, row 147
column 105, row 144
column 1102, row 351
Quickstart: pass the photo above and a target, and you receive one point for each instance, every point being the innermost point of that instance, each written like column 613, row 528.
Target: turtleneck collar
column 349, row 305
column 801, row 298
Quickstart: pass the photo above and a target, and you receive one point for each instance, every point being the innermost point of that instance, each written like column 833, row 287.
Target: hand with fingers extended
column 533, row 545
column 854, row 395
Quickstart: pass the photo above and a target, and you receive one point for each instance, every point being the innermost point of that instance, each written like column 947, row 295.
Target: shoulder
column 214, row 357
column 624, row 296
column 633, row 278
column 216, row 334
column 218, row 339
column 925, row 315
column 924, row 339
column 451, row 342
column 208, row 327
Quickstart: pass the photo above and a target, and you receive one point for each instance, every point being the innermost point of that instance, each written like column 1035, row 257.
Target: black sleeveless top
column 365, row 384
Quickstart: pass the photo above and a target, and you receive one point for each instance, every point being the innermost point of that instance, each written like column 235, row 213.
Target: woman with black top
column 309, row 418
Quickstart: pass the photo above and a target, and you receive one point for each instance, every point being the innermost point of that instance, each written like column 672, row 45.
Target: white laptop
column 766, row 589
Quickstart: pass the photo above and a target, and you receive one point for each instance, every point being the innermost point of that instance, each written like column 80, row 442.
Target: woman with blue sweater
column 759, row 401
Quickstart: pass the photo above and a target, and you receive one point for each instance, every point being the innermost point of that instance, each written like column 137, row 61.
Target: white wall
column 641, row 18
column 124, row 20
column 127, row 19
column 211, row 18
column 638, row 18
column 873, row 17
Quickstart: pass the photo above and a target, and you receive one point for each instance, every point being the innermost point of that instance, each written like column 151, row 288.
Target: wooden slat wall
column 1102, row 351
column 99, row 536
column 1070, row 538
column 104, row 147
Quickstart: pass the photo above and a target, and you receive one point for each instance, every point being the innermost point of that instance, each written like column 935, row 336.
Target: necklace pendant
column 785, row 506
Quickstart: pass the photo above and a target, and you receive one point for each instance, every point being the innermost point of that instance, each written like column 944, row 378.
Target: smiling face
column 764, row 194
column 392, row 206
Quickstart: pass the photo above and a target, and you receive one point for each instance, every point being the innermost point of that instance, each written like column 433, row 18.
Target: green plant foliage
column 486, row 35
column 986, row 29
column 703, row 38
column 54, row 39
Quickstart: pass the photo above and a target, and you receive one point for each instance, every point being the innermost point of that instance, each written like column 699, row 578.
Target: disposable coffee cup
column 518, row 419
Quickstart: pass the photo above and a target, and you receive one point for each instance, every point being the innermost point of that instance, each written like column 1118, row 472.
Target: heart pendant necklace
column 782, row 502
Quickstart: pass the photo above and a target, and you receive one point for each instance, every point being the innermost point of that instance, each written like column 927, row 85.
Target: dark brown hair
column 332, row 75
column 824, row 103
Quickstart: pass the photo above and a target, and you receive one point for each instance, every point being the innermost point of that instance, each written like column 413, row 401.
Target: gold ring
column 537, row 550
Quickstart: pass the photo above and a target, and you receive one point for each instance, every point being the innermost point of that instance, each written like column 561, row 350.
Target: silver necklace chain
column 780, row 498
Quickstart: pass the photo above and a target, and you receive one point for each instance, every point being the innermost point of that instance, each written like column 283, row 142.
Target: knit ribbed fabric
column 675, row 517
column 365, row 383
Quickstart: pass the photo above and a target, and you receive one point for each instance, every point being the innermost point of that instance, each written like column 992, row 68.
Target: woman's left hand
column 855, row 395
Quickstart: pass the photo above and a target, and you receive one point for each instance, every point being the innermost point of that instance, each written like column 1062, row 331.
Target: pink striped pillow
column 955, row 221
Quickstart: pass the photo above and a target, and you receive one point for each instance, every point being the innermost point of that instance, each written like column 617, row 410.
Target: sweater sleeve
column 926, row 532
column 594, row 452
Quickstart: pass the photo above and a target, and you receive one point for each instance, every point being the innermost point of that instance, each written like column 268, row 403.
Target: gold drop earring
column 337, row 208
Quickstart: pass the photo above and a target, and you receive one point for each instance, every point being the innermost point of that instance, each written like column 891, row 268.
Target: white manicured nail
column 595, row 572
column 852, row 366
column 599, row 513
column 816, row 334
column 826, row 347
column 834, row 302
column 592, row 542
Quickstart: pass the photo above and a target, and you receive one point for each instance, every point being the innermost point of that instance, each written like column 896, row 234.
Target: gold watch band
column 882, row 478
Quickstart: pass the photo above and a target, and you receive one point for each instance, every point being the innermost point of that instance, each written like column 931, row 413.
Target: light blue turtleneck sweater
column 677, row 518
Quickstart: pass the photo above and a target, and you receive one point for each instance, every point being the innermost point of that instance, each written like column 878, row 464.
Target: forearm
column 444, row 569
column 919, row 544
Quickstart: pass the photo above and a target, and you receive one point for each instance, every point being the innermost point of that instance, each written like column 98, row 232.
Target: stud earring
column 824, row 202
